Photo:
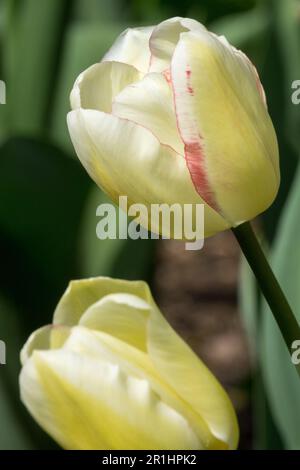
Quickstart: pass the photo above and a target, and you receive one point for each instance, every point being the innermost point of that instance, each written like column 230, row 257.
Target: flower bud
column 111, row 373
column 175, row 114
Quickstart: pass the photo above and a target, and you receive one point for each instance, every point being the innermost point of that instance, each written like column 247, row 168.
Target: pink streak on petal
column 188, row 80
column 195, row 155
column 167, row 74
column 195, row 159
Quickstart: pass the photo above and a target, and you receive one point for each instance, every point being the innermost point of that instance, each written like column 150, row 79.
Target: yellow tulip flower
column 111, row 373
column 175, row 114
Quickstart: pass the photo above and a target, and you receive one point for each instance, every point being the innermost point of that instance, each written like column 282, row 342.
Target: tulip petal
column 38, row 340
column 137, row 363
column 149, row 102
column 105, row 347
column 59, row 335
column 123, row 316
column 164, row 38
column 193, row 382
column 80, row 295
column 132, row 47
column 230, row 143
column 86, row 403
column 127, row 159
column 96, row 87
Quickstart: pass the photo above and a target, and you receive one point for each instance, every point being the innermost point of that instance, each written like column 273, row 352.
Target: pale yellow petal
column 39, row 339
column 137, row 363
column 225, row 125
column 193, row 382
column 123, row 316
column 164, row 38
column 85, row 403
column 149, row 102
column 96, row 87
column 59, row 335
column 126, row 159
column 132, row 47
column 81, row 294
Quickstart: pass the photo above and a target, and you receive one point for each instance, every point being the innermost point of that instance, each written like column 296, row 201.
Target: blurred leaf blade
column 244, row 27
column 95, row 10
column 13, row 432
column 249, row 304
column 121, row 258
column 31, row 50
column 287, row 23
column 98, row 256
column 280, row 376
column 43, row 193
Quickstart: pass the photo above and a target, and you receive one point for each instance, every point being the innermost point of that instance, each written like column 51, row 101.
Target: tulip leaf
column 98, row 256
column 288, row 35
column 43, row 192
column 121, row 258
column 13, row 436
column 281, row 379
column 249, row 303
column 31, row 53
column 274, row 81
column 247, row 31
column 93, row 10
column 13, row 433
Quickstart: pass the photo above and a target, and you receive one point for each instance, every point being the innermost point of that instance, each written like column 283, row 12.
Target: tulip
column 111, row 373
column 175, row 114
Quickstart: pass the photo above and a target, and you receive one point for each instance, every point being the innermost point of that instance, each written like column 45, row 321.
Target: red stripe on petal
column 195, row 160
column 167, row 74
column 193, row 148
column 188, row 80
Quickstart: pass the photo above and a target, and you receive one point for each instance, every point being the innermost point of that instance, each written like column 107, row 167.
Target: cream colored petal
column 59, row 335
column 191, row 379
column 164, row 39
column 87, row 403
column 126, row 159
column 39, row 339
column 138, row 364
column 230, row 143
column 105, row 347
column 96, row 87
column 149, row 102
column 132, row 47
column 123, row 316
column 47, row 337
column 81, row 294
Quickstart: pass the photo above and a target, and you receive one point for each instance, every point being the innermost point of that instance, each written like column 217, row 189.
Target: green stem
column 268, row 284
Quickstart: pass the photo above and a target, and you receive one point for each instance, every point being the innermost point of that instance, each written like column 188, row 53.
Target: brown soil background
column 197, row 291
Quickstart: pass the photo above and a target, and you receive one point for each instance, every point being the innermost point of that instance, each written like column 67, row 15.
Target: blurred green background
column 48, row 203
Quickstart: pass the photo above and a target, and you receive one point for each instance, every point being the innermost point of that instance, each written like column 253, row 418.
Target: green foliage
column 281, row 379
column 287, row 23
column 48, row 203
column 126, row 259
column 13, row 433
column 31, row 43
